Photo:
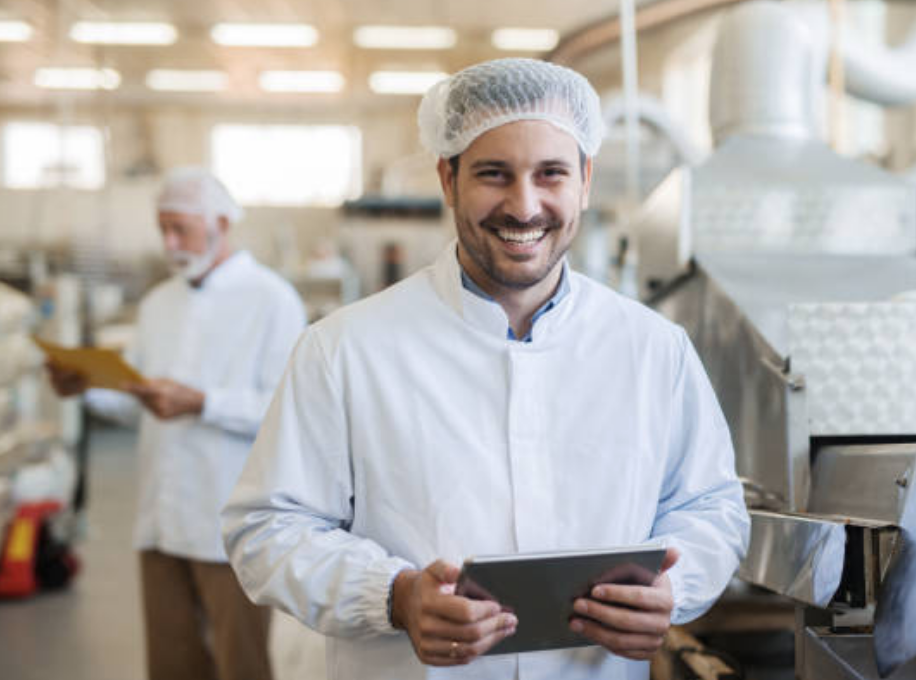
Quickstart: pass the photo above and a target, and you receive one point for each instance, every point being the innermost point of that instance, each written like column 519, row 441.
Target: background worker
column 212, row 340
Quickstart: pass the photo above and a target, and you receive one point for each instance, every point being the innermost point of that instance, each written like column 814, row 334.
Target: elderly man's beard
column 192, row 266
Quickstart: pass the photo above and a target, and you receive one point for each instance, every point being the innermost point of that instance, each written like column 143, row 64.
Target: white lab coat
column 408, row 428
column 229, row 338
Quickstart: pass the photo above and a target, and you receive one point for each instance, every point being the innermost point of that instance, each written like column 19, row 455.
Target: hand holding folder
column 101, row 367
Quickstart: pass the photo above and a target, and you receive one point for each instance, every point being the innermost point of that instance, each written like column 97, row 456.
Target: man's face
column 184, row 233
column 517, row 197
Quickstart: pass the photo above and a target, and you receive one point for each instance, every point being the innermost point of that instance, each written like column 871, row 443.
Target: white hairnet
column 197, row 191
column 457, row 110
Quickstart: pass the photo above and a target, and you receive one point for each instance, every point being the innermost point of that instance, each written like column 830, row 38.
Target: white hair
column 196, row 191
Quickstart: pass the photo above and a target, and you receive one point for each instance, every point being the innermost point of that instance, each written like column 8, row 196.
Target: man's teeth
column 517, row 236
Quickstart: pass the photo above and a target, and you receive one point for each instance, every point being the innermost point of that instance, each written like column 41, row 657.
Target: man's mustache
column 509, row 222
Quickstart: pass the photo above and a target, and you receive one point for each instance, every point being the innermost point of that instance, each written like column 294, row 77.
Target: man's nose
column 170, row 241
column 523, row 202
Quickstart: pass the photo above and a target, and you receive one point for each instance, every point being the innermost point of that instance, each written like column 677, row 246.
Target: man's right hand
column 446, row 629
column 66, row 382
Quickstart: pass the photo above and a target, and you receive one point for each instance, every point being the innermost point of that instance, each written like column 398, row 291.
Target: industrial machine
column 790, row 268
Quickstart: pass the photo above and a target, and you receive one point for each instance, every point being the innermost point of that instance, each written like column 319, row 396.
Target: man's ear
column 586, row 182
column 222, row 224
column 447, row 181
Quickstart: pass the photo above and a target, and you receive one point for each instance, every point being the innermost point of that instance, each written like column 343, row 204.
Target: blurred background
column 787, row 131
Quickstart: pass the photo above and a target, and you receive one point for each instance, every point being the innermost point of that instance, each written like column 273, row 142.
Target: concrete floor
column 92, row 630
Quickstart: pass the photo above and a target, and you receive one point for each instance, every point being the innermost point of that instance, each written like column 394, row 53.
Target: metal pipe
column 630, row 65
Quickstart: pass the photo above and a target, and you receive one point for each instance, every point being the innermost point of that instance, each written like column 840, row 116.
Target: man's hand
column 66, row 382
column 446, row 629
column 630, row 621
column 168, row 399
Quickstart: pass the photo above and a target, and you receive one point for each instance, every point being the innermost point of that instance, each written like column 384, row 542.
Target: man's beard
column 503, row 276
column 192, row 266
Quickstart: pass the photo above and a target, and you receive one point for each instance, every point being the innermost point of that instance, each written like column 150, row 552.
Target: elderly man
column 495, row 402
column 213, row 341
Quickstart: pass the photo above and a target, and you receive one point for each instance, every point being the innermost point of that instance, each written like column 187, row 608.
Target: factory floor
column 93, row 630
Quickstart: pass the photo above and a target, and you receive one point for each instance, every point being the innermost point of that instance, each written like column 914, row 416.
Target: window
column 43, row 155
column 288, row 164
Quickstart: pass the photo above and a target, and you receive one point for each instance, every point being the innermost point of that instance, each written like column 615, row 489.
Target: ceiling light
column 15, row 31
column 404, row 82
column 404, row 37
column 123, row 33
column 167, row 80
column 525, row 39
column 77, row 78
column 301, row 81
column 264, row 35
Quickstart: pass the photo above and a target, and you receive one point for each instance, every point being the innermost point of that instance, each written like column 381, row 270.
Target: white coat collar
column 485, row 315
column 227, row 272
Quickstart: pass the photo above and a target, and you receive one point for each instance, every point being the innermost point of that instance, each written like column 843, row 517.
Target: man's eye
column 555, row 172
column 490, row 173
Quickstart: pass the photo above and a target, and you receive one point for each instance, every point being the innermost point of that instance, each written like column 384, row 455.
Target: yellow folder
column 102, row 367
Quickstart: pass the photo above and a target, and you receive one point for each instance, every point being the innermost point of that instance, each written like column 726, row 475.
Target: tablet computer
column 540, row 589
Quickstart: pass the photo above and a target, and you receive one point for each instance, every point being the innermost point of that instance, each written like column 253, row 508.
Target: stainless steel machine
column 789, row 267
column 793, row 271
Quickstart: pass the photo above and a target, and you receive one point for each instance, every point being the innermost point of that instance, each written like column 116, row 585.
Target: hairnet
column 457, row 110
column 196, row 191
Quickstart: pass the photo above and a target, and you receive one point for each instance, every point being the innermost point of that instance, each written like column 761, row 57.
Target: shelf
column 25, row 444
column 24, row 371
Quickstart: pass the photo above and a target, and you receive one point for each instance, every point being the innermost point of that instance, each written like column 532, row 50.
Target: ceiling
column 473, row 20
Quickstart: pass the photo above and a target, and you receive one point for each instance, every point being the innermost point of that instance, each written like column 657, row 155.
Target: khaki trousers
column 199, row 623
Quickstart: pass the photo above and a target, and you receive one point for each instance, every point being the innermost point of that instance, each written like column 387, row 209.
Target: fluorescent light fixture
column 77, row 78
column 15, row 31
column 404, row 37
column 525, row 39
column 404, row 82
column 264, row 35
column 123, row 33
column 168, row 80
column 301, row 81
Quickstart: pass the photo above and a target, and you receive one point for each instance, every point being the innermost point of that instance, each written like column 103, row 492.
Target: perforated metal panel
column 859, row 363
column 825, row 219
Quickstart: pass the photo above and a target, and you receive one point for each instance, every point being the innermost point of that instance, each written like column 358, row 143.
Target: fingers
column 461, row 610
column 66, row 382
column 623, row 619
column 647, row 598
column 443, row 571
column 439, row 599
column 151, row 398
column 630, row 621
column 636, row 646
column 447, row 629
column 672, row 555
column 451, row 652
column 142, row 390
column 468, row 632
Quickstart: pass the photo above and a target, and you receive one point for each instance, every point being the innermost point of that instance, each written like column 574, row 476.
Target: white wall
column 143, row 141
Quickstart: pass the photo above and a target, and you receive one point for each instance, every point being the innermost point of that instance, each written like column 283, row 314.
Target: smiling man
column 496, row 402
column 522, row 188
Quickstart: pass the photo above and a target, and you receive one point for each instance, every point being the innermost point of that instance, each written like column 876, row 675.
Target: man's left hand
column 630, row 621
column 168, row 399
